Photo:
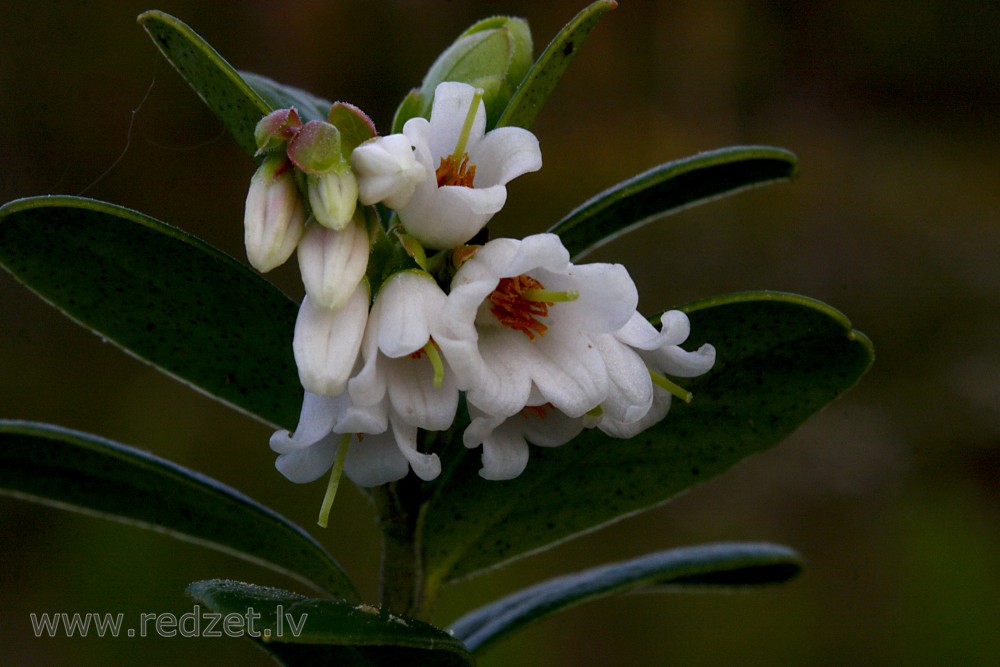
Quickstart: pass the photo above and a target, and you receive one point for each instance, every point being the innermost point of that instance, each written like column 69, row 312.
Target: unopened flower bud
column 274, row 218
column 333, row 262
column 387, row 171
column 333, row 189
column 315, row 149
column 333, row 197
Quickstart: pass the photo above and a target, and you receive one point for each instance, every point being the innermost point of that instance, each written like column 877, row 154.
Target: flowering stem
column 675, row 389
column 398, row 505
column 334, row 483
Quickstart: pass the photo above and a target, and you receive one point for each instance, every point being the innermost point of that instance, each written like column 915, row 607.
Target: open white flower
column 381, row 448
column 466, row 170
column 328, row 423
column 505, row 439
column 520, row 323
column 638, row 358
column 401, row 361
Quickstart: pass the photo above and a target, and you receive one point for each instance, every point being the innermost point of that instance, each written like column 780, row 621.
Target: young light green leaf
column 230, row 98
column 84, row 473
column 162, row 295
column 301, row 631
column 548, row 70
column 710, row 565
column 781, row 358
column 670, row 188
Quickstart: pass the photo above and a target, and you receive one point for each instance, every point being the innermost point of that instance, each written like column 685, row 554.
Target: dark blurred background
column 892, row 494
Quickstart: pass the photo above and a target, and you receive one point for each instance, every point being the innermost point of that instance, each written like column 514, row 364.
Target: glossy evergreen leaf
column 221, row 87
column 711, row 565
column 281, row 96
column 670, row 188
column 301, row 631
column 542, row 78
column 781, row 358
column 84, row 473
column 162, row 295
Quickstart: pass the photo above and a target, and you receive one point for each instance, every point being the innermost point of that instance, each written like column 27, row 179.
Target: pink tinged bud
column 274, row 218
column 315, row 149
column 275, row 129
column 326, row 342
column 333, row 262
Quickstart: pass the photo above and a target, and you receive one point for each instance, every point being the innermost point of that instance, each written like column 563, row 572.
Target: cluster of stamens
column 456, row 170
column 515, row 311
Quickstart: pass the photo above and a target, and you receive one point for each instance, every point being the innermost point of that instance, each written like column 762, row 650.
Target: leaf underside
column 712, row 565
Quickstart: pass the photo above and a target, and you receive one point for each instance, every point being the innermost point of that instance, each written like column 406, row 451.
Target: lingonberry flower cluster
column 405, row 309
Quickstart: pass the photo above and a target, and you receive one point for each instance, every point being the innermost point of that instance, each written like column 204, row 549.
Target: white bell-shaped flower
column 326, row 342
column 520, row 324
column 466, row 169
column 274, row 217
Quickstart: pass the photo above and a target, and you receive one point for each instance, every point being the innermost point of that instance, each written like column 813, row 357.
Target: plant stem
column 401, row 576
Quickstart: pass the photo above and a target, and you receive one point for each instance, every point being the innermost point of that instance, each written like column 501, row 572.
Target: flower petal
column 375, row 460
column 426, row 466
column 449, row 111
column 309, row 464
column 332, row 263
column 504, row 154
column 387, row 170
column 326, row 342
column 408, row 302
column 678, row 362
column 631, row 391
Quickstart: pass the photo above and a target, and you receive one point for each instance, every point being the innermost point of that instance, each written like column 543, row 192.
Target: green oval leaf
column 781, row 358
column 238, row 99
column 729, row 565
column 282, row 96
column 543, row 76
column 230, row 98
column 303, row 631
column 670, row 188
column 82, row 472
column 162, row 295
